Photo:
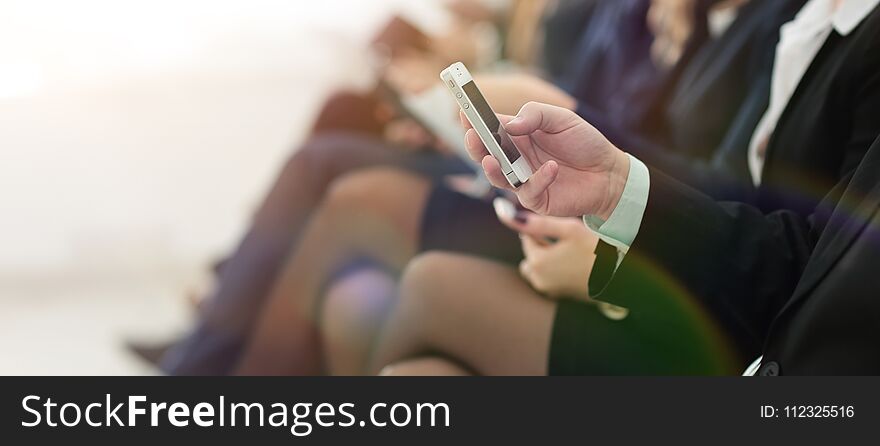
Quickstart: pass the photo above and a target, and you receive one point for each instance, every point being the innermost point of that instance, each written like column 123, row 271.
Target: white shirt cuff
column 623, row 225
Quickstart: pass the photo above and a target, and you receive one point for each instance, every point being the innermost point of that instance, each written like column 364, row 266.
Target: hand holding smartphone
column 485, row 122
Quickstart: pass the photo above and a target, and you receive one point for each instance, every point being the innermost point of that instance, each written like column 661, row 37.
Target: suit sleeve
column 720, row 177
column 727, row 260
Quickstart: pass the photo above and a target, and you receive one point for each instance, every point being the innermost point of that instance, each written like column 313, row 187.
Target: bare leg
column 353, row 311
column 479, row 313
column 429, row 366
column 374, row 213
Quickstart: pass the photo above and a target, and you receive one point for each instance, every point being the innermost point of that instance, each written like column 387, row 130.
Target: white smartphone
column 461, row 84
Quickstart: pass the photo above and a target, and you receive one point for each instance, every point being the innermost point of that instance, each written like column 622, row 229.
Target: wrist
column 618, row 174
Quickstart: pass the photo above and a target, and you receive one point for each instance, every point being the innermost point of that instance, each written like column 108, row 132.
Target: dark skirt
column 657, row 339
column 454, row 222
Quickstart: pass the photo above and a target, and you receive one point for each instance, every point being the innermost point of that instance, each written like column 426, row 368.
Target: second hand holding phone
column 485, row 122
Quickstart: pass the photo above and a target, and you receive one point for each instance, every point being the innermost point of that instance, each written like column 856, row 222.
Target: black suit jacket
column 722, row 75
column 804, row 289
column 824, row 132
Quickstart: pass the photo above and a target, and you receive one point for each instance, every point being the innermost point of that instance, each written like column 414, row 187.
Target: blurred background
column 121, row 125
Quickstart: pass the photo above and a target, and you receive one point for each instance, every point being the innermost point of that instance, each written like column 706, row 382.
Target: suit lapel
column 855, row 209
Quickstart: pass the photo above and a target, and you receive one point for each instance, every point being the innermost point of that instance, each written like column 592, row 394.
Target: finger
column 518, row 221
column 475, row 147
column 464, row 120
column 531, row 247
column 494, row 174
column 466, row 124
column 533, row 194
column 525, row 270
column 535, row 116
column 543, row 227
column 546, row 230
column 504, row 119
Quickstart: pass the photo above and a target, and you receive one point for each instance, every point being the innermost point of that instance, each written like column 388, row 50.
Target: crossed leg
column 247, row 277
column 375, row 214
column 476, row 312
column 482, row 316
column 353, row 311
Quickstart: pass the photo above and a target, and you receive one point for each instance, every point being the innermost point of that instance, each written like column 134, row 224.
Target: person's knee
column 351, row 317
column 425, row 284
column 427, row 366
column 377, row 189
column 349, row 111
column 418, row 313
column 356, row 304
column 321, row 159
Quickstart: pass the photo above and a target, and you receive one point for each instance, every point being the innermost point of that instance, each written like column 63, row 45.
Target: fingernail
column 521, row 217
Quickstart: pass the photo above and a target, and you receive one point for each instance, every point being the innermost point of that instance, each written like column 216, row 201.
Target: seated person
column 728, row 262
column 537, row 88
column 339, row 240
column 352, row 132
column 802, row 286
column 837, row 69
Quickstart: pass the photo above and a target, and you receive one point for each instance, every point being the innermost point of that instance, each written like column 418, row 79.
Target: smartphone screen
column 491, row 120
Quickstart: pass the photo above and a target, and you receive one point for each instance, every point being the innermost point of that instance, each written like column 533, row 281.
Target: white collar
column 851, row 13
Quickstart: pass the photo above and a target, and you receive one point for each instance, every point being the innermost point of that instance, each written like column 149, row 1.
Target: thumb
column 533, row 194
column 535, row 116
